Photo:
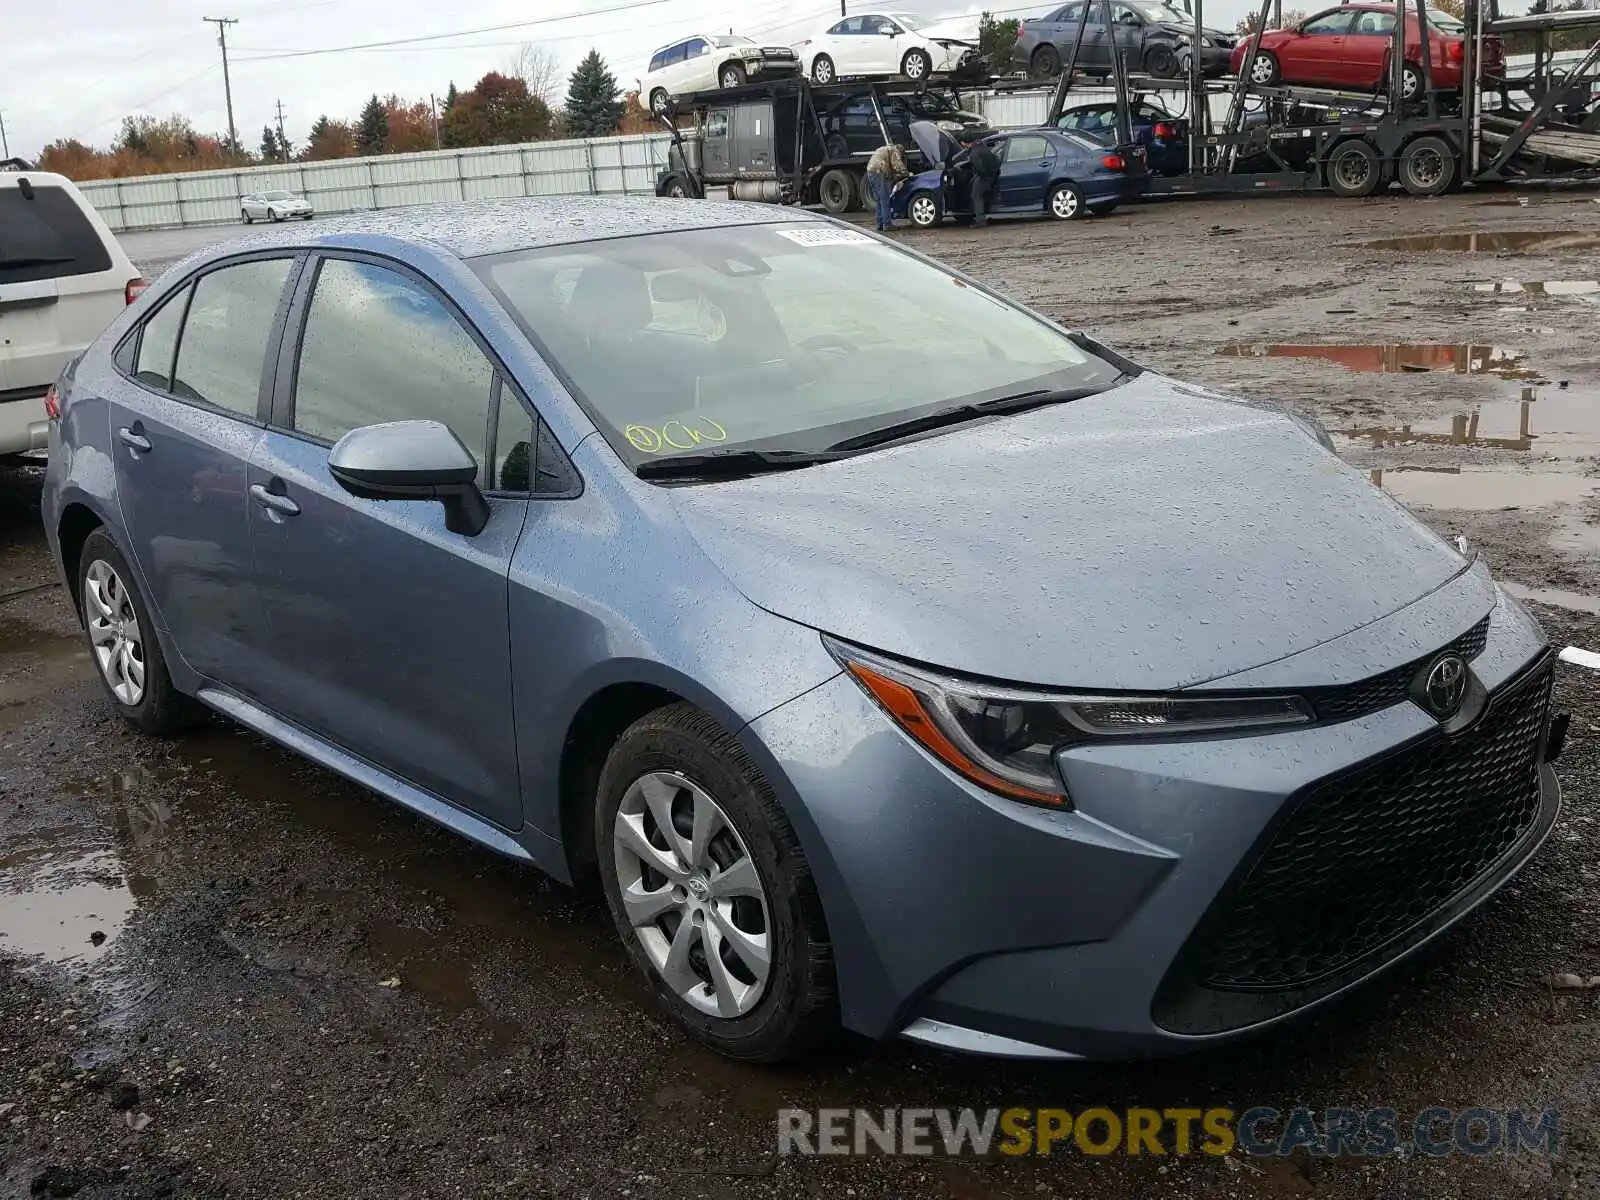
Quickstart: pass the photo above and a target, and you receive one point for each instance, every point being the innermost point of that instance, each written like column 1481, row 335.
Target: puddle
column 1511, row 241
column 1556, row 597
column 1587, row 290
column 1555, row 422
column 1455, row 487
column 62, row 905
column 1462, row 358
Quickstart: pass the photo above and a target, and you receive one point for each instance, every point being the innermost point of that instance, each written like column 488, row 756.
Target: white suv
column 707, row 61
column 62, row 279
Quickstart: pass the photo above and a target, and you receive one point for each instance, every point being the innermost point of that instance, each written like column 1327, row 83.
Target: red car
column 1348, row 46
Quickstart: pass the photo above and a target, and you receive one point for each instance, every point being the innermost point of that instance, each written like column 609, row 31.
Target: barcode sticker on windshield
column 825, row 236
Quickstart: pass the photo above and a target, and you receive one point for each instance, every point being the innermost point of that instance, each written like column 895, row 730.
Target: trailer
column 785, row 141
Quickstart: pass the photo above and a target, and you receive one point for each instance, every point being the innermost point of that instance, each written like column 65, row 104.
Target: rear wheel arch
column 78, row 521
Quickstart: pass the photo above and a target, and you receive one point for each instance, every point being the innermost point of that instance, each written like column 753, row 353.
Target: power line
column 439, row 37
column 222, row 24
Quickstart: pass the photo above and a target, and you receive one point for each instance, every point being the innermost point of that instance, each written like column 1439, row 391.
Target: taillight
column 134, row 290
column 52, row 403
column 1114, row 162
column 1163, row 130
column 1455, row 51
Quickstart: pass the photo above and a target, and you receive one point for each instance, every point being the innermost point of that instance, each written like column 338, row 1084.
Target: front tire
column 246, row 217
column 731, row 76
column 1265, row 70
column 837, row 191
column 924, row 210
column 1066, row 203
column 822, row 69
column 123, row 643
column 916, row 65
column 276, row 216
column 1162, row 62
column 710, row 889
column 658, row 101
column 1045, row 64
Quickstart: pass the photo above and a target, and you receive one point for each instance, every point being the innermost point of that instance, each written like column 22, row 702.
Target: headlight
column 1005, row 739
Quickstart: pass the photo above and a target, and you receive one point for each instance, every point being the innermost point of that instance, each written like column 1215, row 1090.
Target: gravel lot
column 231, row 1033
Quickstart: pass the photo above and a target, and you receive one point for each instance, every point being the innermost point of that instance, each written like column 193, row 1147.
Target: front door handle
column 274, row 502
column 133, row 439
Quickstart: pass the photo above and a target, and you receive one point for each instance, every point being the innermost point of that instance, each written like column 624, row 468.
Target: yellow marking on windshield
column 675, row 435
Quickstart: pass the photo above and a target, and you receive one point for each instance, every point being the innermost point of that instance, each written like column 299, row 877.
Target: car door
column 1025, row 168
column 1127, row 35
column 842, row 43
column 1066, row 22
column 698, row 72
column 390, row 631
column 872, row 49
column 186, row 414
column 1316, row 55
column 1366, row 47
column 675, row 70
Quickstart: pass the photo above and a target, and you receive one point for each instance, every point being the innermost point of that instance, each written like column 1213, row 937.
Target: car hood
column 1174, row 27
column 934, row 141
column 1151, row 537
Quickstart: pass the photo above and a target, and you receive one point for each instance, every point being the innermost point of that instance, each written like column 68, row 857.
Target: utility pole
column 5, row 146
column 222, row 24
column 438, row 142
column 283, row 144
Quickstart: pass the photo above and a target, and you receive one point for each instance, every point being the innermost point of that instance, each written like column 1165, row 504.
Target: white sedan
column 272, row 206
column 883, row 44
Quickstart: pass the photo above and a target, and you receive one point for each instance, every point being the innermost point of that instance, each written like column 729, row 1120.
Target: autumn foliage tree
column 330, row 139
column 410, row 126
column 498, row 110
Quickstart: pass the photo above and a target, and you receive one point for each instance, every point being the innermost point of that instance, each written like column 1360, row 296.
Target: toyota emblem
column 1445, row 685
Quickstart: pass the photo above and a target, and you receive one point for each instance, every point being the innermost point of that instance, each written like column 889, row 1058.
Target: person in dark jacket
column 985, row 169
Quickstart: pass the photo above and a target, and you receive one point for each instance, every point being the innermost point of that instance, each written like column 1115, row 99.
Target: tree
column 996, row 42
column 636, row 118
column 497, row 111
column 330, row 139
column 410, row 126
column 269, row 145
column 450, row 95
column 593, row 107
column 1247, row 24
column 372, row 127
column 539, row 69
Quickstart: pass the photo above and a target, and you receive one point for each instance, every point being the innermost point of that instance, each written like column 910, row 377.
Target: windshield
column 908, row 20
column 931, row 104
column 278, row 196
column 731, row 39
column 1165, row 14
column 786, row 337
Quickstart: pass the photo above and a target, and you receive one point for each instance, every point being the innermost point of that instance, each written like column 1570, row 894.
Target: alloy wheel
column 692, row 894
column 114, row 632
column 822, row 71
column 1261, row 70
column 915, row 66
column 1064, row 204
column 923, row 211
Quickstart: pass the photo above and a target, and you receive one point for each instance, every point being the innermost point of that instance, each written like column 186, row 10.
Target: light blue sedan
column 900, row 660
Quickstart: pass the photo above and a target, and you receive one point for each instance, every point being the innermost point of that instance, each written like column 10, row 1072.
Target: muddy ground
column 200, row 936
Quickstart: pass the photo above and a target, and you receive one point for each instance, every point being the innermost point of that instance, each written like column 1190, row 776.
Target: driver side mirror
column 412, row 460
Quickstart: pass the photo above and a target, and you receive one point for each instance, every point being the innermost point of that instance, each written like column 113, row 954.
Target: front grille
column 1365, row 859
column 1393, row 686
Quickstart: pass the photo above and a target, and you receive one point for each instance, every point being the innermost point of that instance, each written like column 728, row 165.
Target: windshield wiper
column 959, row 413
column 715, row 464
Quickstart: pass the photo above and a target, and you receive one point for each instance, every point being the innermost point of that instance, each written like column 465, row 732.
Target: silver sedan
column 272, row 206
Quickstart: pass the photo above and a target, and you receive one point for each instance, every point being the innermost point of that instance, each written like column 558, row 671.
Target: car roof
column 469, row 229
column 37, row 178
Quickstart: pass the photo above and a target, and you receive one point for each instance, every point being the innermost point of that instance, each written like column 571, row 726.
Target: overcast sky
column 74, row 68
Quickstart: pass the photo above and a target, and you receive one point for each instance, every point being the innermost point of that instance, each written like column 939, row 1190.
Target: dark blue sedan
column 1061, row 175
column 1164, row 137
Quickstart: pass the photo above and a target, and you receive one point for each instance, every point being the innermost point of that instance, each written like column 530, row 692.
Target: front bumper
column 965, row 919
column 771, row 65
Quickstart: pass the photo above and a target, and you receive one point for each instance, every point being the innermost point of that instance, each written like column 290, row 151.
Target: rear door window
column 225, row 336
column 46, row 236
column 153, row 367
column 378, row 346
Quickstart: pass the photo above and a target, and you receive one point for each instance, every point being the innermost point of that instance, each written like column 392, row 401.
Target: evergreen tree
column 372, row 127
column 269, row 145
column 450, row 96
column 594, row 104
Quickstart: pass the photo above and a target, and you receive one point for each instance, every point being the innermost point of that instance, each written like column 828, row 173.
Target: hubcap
column 692, row 894
column 923, row 211
column 1353, row 170
column 1427, row 167
column 822, row 71
column 914, row 67
column 114, row 632
column 730, row 79
column 1064, row 204
column 1261, row 69
column 1409, row 83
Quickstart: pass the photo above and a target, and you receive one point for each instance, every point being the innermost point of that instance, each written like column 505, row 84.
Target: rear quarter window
column 46, row 236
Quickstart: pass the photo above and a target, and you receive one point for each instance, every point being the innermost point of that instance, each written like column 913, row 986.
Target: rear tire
column 1427, row 167
column 1265, row 70
column 658, row 101
column 916, row 65
column 1410, row 83
column 731, row 76
column 1065, row 203
column 1353, row 169
column 1046, row 63
column 123, row 643
column 822, row 69
column 837, row 191
column 924, row 209
column 679, row 765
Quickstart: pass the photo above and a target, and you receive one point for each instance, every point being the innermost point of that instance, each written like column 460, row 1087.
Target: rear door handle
column 133, row 440
column 274, row 502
